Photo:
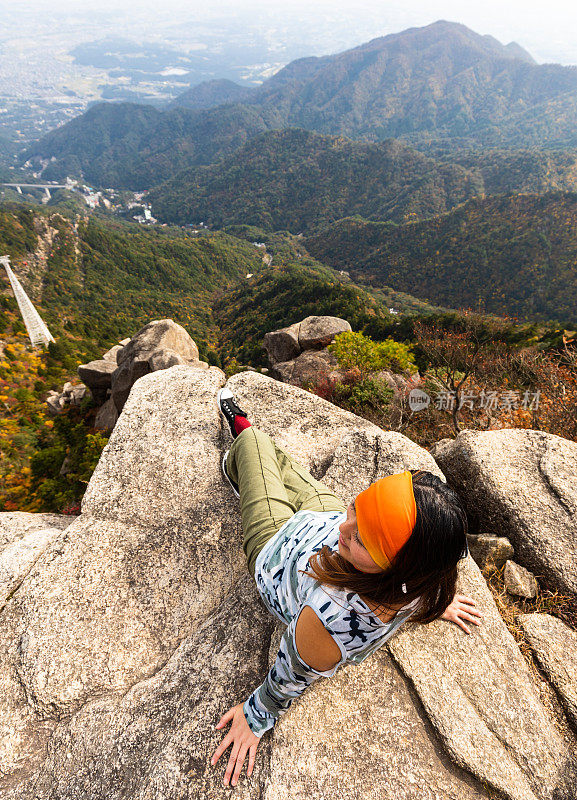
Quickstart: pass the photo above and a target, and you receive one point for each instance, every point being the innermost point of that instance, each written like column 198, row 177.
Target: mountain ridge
column 442, row 86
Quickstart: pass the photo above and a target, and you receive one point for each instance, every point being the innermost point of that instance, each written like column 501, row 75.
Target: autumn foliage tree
column 490, row 382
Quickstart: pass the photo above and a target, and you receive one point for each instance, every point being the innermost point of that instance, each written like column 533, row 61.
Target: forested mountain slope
column 280, row 296
column 509, row 255
column 439, row 81
column 95, row 280
column 210, row 94
column 296, row 180
column 299, row 181
column 124, row 145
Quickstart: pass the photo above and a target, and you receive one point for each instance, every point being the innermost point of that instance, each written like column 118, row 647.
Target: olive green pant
column 272, row 487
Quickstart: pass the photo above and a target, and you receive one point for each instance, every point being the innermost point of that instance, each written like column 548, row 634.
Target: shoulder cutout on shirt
column 315, row 645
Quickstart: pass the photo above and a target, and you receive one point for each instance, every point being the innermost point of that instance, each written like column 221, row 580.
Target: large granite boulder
column 97, row 375
column 283, row 344
column 298, row 354
column 521, row 484
column 312, row 333
column 106, row 416
column 307, row 368
column 317, row 332
column 158, row 335
column 164, row 359
column 159, row 345
column 555, row 647
column 138, row 626
column 112, row 354
column 154, row 740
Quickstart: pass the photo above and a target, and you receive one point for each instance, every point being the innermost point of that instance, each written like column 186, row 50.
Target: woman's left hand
column 462, row 608
column 242, row 739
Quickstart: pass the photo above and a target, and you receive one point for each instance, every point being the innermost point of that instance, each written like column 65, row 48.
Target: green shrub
column 65, row 459
column 232, row 367
column 354, row 350
column 24, row 395
column 213, row 358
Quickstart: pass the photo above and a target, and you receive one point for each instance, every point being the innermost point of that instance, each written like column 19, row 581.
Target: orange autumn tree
column 489, row 382
column 456, row 357
column 555, row 375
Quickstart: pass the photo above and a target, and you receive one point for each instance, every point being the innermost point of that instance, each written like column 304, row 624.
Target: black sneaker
column 233, row 485
column 229, row 409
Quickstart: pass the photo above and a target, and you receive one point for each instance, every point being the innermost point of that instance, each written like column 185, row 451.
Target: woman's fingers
column 468, row 605
column 231, row 763
column 456, row 618
column 239, row 762
column 463, row 598
column 463, row 615
column 462, row 608
column 221, row 748
column 251, row 760
column 226, row 717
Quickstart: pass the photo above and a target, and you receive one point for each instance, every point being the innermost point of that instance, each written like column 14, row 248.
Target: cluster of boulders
column 159, row 345
column 71, row 395
column 494, row 553
column 298, row 355
column 522, row 483
column 126, row 636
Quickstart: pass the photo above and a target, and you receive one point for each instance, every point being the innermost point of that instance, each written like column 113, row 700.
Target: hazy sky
column 548, row 29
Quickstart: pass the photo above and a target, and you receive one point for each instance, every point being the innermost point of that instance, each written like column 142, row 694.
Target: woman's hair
column 426, row 564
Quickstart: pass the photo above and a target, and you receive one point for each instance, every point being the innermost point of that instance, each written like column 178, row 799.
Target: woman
column 343, row 580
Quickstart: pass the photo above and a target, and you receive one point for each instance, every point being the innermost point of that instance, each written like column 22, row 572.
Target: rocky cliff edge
column 125, row 635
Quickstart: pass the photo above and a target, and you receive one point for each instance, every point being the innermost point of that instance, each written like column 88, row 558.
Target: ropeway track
column 35, row 326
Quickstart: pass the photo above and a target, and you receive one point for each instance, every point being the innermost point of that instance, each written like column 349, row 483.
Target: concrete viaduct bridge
column 45, row 186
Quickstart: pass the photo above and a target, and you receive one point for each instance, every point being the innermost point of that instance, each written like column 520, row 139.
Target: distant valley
column 435, row 162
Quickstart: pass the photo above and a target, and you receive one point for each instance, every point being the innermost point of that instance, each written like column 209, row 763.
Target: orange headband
column 386, row 516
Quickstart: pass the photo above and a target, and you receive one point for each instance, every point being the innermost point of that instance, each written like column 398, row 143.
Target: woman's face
column 351, row 547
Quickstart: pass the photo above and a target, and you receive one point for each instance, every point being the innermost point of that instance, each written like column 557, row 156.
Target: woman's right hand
column 462, row 608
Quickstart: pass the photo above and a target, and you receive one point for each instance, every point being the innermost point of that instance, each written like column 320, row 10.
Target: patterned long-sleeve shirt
column 285, row 591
